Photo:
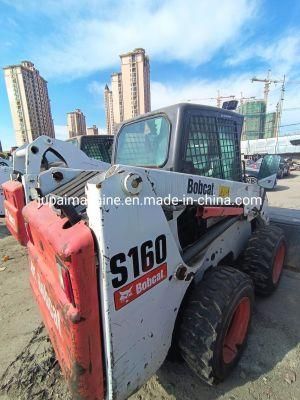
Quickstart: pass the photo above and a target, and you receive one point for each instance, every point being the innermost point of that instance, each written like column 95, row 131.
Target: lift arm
column 27, row 160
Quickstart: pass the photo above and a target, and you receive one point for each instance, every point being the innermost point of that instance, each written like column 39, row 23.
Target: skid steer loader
column 165, row 254
column 30, row 160
column 98, row 147
column 5, row 171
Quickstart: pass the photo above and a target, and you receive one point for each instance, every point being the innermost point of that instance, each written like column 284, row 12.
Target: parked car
column 252, row 170
column 284, row 168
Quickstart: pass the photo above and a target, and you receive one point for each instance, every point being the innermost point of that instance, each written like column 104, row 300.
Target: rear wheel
column 280, row 174
column 215, row 323
column 263, row 258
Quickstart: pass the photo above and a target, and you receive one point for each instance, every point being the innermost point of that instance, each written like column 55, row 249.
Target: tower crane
column 242, row 98
column 267, row 81
column 219, row 99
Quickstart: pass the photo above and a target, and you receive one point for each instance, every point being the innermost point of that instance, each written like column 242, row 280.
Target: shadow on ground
column 292, row 175
column 280, row 188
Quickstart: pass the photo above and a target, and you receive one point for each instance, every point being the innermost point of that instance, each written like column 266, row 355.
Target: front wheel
column 215, row 323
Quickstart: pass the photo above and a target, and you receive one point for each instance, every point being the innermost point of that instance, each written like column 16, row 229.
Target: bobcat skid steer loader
column 29, row 161
column 153, row 261
column 99, row 147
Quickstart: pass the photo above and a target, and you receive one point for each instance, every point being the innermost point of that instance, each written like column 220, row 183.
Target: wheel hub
column 278, row 263
column 237, row 330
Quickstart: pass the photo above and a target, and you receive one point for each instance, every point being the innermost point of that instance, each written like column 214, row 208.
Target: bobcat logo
column 124, row 296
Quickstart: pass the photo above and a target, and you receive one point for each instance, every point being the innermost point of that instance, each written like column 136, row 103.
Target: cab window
column 144, row 143
column 212, row 147
column 202, row 151
column 229, row 147
column 97, row 147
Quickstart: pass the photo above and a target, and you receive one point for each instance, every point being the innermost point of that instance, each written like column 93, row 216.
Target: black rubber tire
column 257, row 260
column 205, row 320
column 280, row 174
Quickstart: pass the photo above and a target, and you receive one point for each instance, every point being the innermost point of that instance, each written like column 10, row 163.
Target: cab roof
column 184, row 107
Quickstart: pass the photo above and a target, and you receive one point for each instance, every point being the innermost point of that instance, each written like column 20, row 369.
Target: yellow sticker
column 224, row 191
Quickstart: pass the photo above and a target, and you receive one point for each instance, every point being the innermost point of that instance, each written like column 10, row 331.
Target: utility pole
column 279, row 108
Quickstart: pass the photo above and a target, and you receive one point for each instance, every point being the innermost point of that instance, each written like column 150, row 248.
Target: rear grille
column 75, row 189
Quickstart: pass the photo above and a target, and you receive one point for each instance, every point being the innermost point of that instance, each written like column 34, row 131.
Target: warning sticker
column 224, row 191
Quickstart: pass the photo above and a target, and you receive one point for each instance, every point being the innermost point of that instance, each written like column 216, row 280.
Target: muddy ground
column 269, row 368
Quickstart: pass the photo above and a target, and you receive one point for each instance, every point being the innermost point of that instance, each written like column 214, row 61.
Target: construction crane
column 219, row 99
column 279, row 106
column 199, row 99
column 242, row 98
column 267, row 81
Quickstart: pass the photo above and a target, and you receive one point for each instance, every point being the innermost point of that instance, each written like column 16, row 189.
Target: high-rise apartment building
column 117, row 97
column 29, row 102
column 135, row 71
column 76, row 123
column 109, row 111
column 130, row 89
column 93, row 130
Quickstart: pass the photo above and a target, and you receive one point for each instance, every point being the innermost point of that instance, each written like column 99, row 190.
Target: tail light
column 65, row 281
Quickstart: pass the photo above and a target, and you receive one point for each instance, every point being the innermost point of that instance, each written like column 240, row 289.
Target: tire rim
column 278, row 263
column 237, row 330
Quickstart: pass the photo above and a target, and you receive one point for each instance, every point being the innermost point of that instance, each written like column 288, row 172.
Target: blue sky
column 195, row 46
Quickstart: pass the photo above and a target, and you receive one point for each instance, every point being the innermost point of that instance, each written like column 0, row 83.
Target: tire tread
column 202, row 318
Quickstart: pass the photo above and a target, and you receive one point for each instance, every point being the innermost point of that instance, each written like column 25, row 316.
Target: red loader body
column 13, row 205
column 64, row 282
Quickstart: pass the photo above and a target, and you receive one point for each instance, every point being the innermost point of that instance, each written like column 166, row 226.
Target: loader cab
column 98, row 147
column 187, row 138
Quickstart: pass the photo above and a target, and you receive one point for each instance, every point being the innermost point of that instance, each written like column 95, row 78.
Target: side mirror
column 268, row 171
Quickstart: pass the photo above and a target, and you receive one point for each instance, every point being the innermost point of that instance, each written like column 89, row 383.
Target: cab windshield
column 144, row 143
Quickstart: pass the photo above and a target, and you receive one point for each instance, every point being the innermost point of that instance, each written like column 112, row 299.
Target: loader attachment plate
column 69, row 307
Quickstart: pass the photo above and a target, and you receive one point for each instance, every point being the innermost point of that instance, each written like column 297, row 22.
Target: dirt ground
column 287, row 192
column 269, row 368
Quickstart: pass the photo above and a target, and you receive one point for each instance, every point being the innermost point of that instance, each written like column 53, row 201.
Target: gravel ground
column 269, row 368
